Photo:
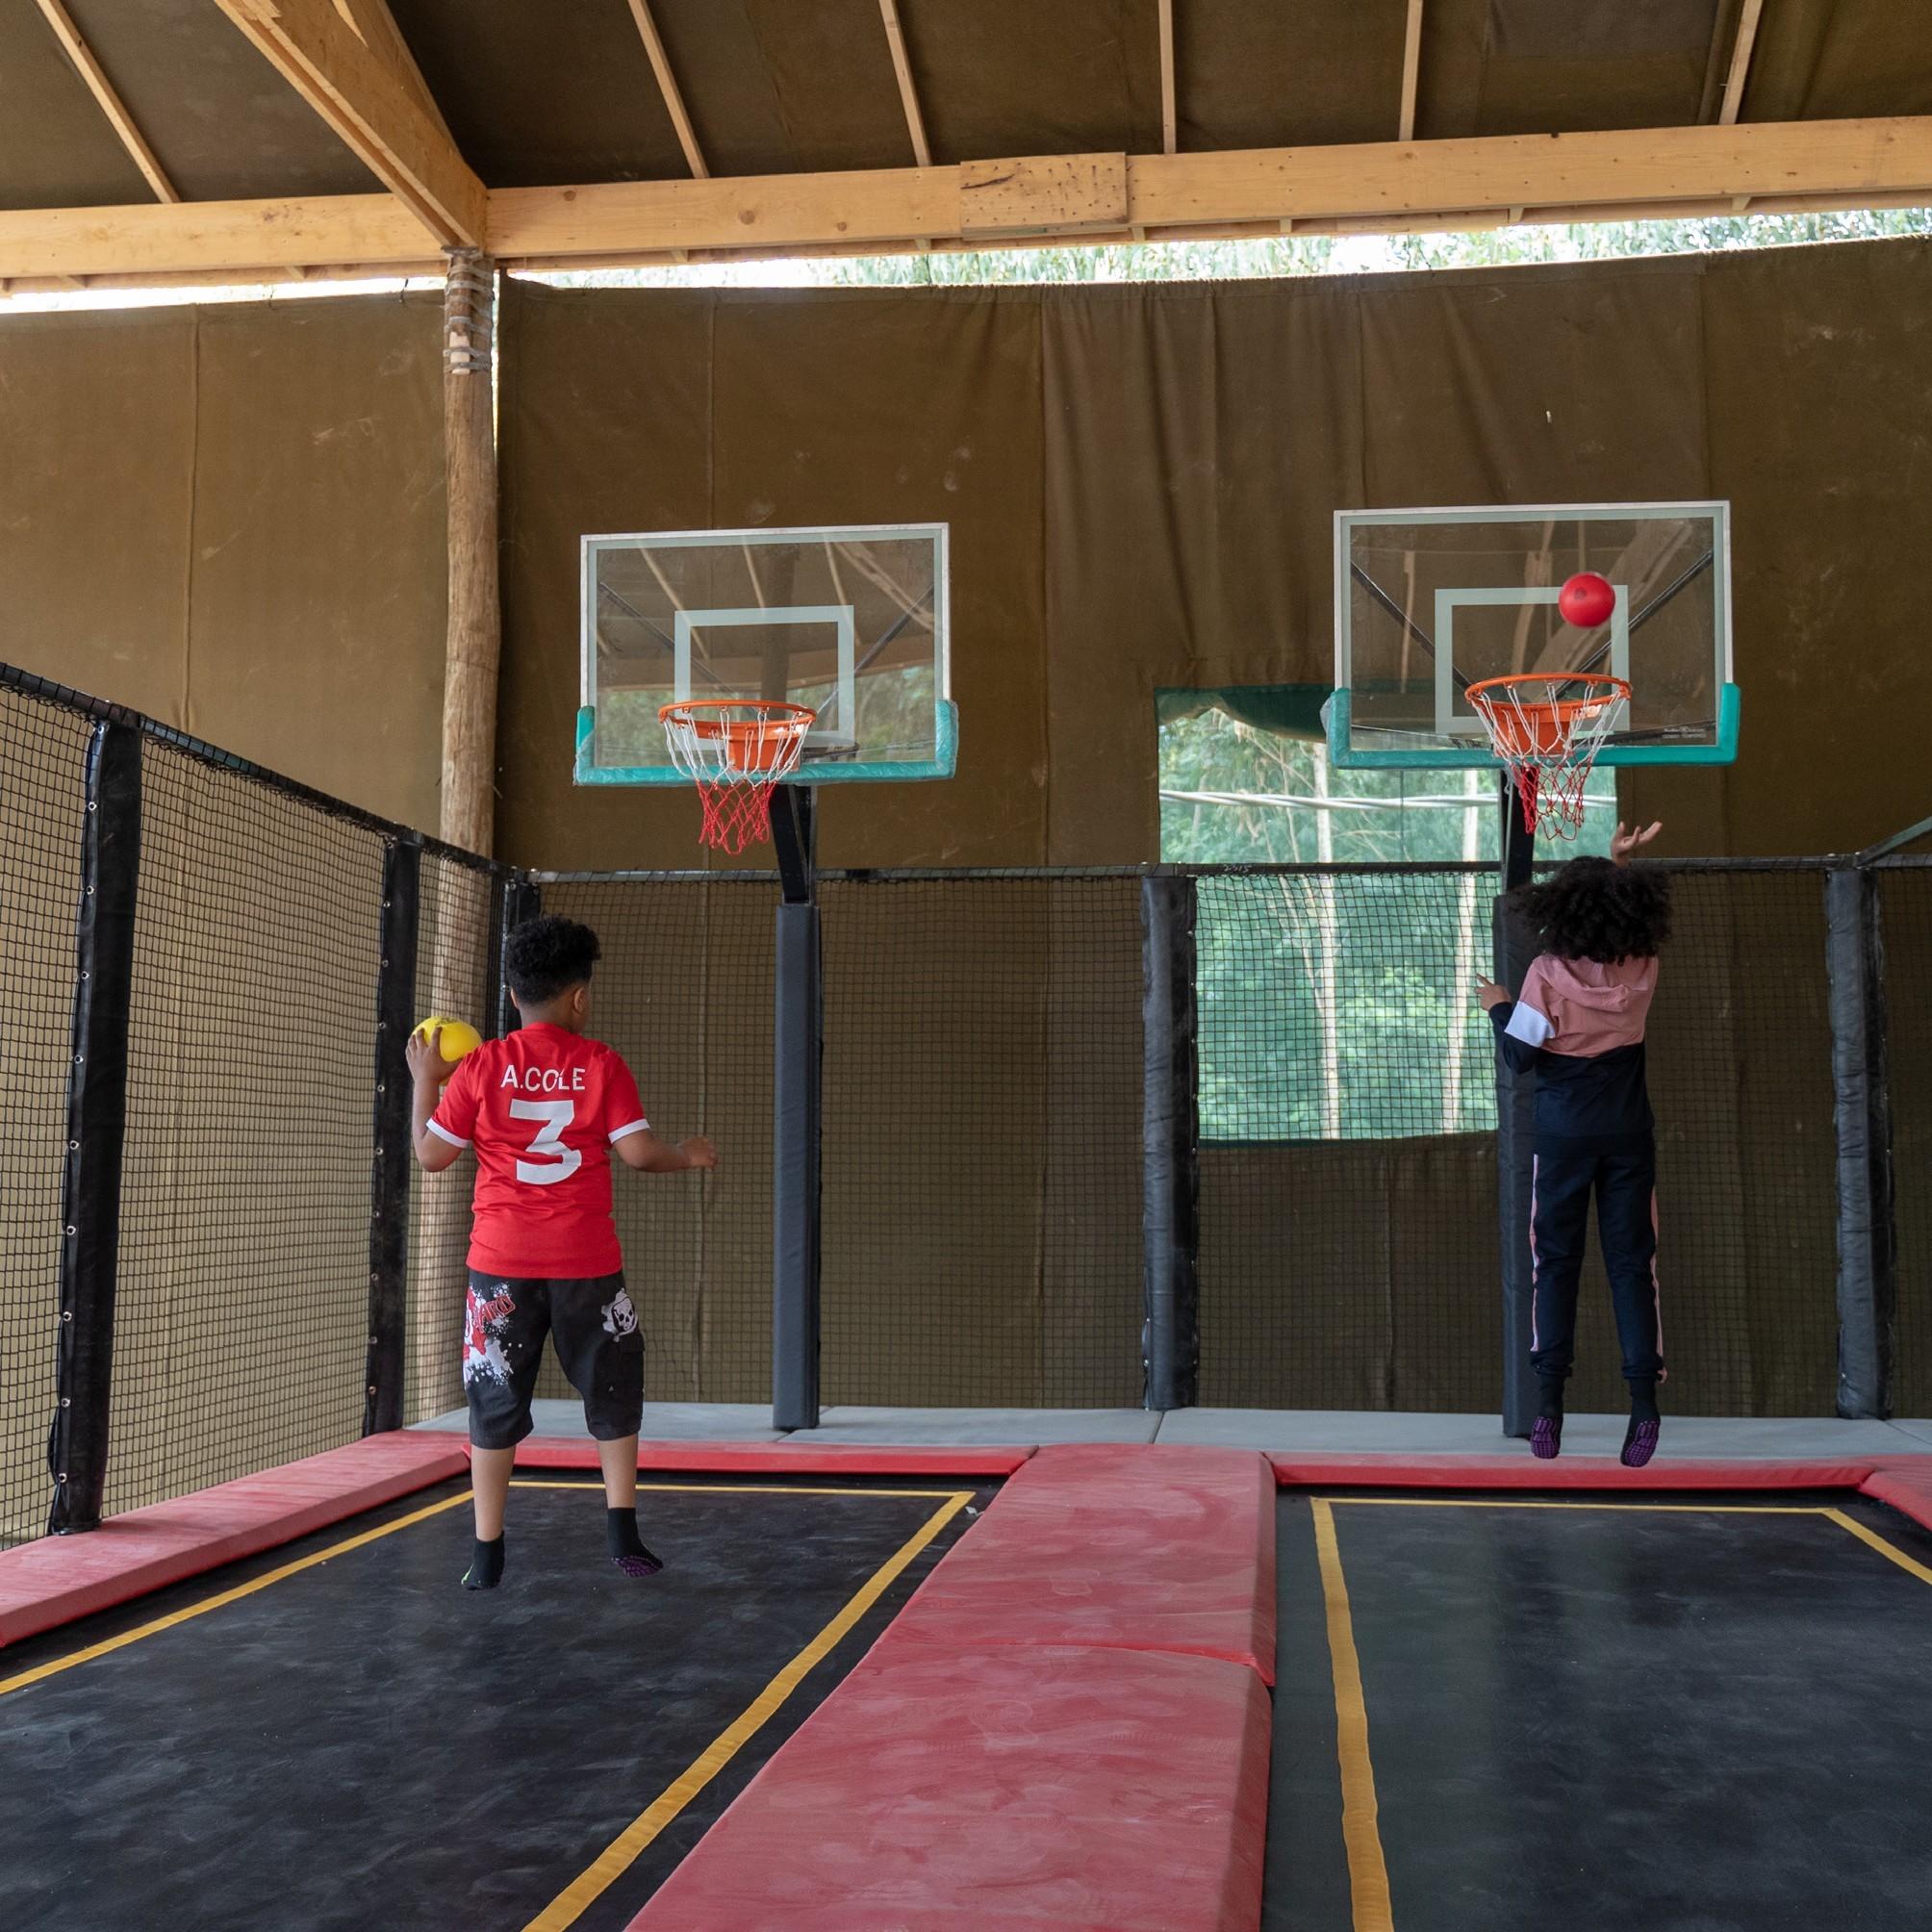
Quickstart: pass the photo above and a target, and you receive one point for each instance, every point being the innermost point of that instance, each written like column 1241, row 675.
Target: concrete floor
column 1303, row 1431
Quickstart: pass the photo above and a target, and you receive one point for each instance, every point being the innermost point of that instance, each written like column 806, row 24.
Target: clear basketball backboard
column 851, row 621
column 1429, row 602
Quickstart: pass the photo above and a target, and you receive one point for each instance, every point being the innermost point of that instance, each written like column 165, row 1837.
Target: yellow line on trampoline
column 1367, row 1872
column 40, row 1673
column 1891, row 1551
column 624, row 1850
column 593, row 1482
column 1531, row 1503
column 226, row 1596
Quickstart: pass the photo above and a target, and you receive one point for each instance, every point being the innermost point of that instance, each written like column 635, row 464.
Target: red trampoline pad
column 1014, row 1788
column 1124, row 1545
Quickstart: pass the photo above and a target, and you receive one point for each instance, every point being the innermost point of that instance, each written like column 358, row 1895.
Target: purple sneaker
column 1546, row 1438
column 1640, row 1442
column 640, row 1563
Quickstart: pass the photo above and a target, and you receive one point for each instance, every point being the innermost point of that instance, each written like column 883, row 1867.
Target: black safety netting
column 455, row 905
column 1905, row 913
column 985, row 1079
column 684, row 994
column 1348, row 1165
column 1741, row 1080
column 982, row 1141
column 42, row 796
column 1349, row 1235
column 240, row 1326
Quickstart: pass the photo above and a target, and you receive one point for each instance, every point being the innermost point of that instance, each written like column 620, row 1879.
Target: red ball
column 1587, row 599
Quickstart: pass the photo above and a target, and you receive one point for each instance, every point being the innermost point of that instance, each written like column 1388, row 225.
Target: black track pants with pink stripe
column 1624, row 1183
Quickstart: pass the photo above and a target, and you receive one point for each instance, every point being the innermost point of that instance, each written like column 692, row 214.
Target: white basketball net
column 1548, row 731
column 734, row 752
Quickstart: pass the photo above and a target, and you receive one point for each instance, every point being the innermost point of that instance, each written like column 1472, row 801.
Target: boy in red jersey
column 545, row 1109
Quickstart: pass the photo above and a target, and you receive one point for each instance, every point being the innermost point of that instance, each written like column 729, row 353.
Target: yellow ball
column 452, row 1038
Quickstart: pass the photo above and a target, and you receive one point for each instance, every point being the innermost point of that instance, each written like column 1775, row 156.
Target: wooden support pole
column 469, row 812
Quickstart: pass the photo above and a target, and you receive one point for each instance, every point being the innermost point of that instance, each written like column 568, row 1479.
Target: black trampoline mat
column 1689, row 1715
column 364, row 1744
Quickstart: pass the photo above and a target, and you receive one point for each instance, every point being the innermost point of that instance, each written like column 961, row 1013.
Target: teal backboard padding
column 1721, row 751
column 818, row 772
column 851, row 622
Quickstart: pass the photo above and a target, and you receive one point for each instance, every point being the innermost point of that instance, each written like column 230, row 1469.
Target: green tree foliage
column 1328, row 254
column 1337, row 1006
column 1233, row 794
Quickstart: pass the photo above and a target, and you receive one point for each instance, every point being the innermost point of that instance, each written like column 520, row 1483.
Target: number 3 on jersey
column 558, row 1161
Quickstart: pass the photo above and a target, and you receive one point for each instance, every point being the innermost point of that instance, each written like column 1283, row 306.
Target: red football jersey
column 543, row 1108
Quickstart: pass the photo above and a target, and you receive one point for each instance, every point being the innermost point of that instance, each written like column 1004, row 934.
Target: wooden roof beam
column 1742, row 50
column 1170, row 100
column 908, row 94
column 109, row 101
column 1396, row 182
column 363, row 89
column 1391, row 186
column 374, row 26
column 1411, row 72
column 667, row 86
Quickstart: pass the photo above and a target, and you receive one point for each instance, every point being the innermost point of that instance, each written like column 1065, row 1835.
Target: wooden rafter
column 374, row 26
column 1411, row 72
column 667, row 86
column 1390, row 186
column 1170, row 109
column 103, row 91
column 1742, row 50
column 370, row 100
column 908, row 94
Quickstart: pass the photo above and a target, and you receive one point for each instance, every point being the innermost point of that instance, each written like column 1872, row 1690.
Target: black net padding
column 241, row 1322
column 684, row 994
column 982, row 1171
column 454, row 937
column 1905, row 925
column 42, row 797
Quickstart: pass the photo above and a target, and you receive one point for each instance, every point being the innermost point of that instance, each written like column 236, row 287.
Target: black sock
column 1550, row 1390
column 486, row 1566
column 626, row 1547
column 1643, row 1399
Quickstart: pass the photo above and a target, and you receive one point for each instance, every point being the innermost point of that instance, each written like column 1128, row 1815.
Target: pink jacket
column 1582, row 1008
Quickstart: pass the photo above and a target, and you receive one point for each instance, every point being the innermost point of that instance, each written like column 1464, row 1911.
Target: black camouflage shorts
column 598, row 1342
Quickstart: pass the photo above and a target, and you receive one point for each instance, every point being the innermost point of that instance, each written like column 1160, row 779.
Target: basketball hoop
column 734, row 750
column 1548, row 731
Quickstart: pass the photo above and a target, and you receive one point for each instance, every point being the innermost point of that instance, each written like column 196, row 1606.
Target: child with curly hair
column 1579, row 1024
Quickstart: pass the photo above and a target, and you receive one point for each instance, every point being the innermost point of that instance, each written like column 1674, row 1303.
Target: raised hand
column 1627, row 842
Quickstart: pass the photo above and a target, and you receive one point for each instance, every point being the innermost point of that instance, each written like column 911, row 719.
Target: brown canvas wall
column 665, row 411
column 1140, row 482
column 231, row 518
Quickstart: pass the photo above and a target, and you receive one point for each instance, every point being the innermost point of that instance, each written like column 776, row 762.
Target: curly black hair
column 548, row 956
column 1593, row 909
